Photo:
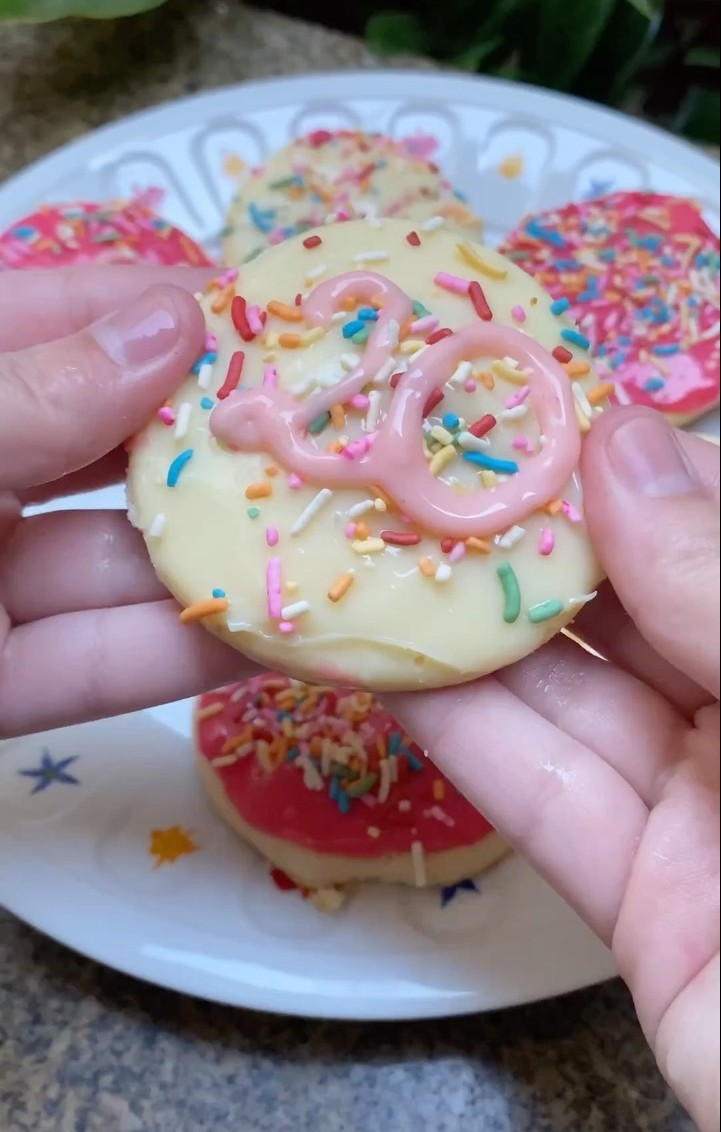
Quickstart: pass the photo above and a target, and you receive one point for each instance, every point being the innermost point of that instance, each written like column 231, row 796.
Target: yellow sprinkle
column 368, row 545
column 411, row 345
column 485, row 266
column 511, row 166
column 600, row 392
column 479, row 544
column 257, row 491
column 313, row 335
column 426, row 567
column 583, row 422
column 340, row 587
column 337, row 416
column 488, row 478
column 270, row 341
column 439, row 789
column 441, row 434
column 577, row 368
column 209, row 711
column 206, row 607
column 442, row 459
column 508, row 373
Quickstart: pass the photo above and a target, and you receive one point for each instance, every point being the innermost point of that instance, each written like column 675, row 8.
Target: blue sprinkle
column 419, row 311
column 368, row 314
column 262, row 218
column 624, row 340
column 394, row 742
column 665, row 351
column 413, row 761
column 219, row 593
column 606, row 254
column 177, row 466
column 575, row 337
column 650, row 243
column 293, row 752
column 450, row 420
column 566, row 264
column 508, row 467
column 558, row 306
column 204, row 359
column 538, row 232
column 353, row 327
column 343, row 802
column 334, row 787
column 206, row 402
column 654, row 384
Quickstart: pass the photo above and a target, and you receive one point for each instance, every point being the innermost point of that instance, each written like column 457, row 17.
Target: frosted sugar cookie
column 328, row 176
column 97, row 232
column 370, row 477
column 328, row 788
column 640, row 274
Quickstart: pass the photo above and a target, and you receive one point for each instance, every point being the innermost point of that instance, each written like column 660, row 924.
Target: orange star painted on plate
column 169, row 845
column 511, row 166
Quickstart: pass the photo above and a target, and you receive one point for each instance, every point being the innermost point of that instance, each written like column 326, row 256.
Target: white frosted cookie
column 370, row 477
column 328, row 176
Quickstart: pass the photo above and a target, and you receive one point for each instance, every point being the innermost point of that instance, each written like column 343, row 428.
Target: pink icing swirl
column 275, row 421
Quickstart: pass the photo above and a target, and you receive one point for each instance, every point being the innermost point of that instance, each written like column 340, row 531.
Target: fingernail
column 140, row 332
column 647, row 456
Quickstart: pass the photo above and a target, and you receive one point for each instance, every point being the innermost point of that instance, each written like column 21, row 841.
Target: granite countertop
column 83, row 1049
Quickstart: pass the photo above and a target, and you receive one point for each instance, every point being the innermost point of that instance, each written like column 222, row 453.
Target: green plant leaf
column 622, row 49
column 396, row 33
column 42, row 11
column 702, row 57
column 567, row 36
column 647, row 8
column 478, row 53
column 700, row 118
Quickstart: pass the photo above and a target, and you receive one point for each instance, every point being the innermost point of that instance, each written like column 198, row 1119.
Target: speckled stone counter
column 83, row 1049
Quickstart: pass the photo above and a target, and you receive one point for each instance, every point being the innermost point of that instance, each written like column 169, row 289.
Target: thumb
column 66, row 403
column 655, row 527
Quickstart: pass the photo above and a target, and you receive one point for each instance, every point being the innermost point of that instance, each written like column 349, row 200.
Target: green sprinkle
column 294, row 181
column 361, row 336
column 362, row 786
column 319, row 423
column 419, row 310
column 545, row 610
column 511, row 592
column 253, row 512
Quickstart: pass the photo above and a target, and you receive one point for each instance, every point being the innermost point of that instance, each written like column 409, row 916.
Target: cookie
column 97, row 232
column 640, row 274
column 329, row 176
column 370, row 478
column 330, row 790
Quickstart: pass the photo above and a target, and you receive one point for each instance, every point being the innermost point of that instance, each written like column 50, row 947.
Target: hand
column 86, row 630
column 606, row 774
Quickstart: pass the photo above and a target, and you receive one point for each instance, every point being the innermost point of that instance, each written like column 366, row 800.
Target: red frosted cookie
column 97, row 232
column 640, row 274
column 328, row 787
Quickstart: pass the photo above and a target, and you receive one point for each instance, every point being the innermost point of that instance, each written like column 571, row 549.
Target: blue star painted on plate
column 450, row 891
column 596, row 189
column 50, row 771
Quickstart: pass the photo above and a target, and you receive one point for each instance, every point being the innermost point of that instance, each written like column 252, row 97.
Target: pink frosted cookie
column 97, row 232
column 328, row 787
column 639, row 272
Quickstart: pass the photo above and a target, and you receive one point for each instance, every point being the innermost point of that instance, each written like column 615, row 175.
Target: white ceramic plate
column 76, row 855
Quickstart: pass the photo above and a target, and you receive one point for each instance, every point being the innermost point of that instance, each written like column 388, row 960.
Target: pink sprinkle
column 457, row 553
column 547, row 541
column 343, row 214
column 469, row 386
column 272, row 588
column 452, row 283
column 518, row 398
column 166, row 415
column 211, row 342
column 228, row 276
column 294, row 481
column 357, row 448
column 359, row 401
column 518, row 313
column 573, row 515
column 272, row 536
column 522, row 443
column 422, row 325
column 351, row 530
column 286, row 627
column 276, row 237
column 255, row 322
column 270, row 377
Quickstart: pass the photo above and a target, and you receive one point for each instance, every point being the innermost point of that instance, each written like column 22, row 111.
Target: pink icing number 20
column 274, row 421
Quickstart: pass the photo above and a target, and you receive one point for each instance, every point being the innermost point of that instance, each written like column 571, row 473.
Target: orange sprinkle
column 340, row 587
column 577, row 368
column 284, row 311
column 426, row 567
column 377, row 302
column 380, row 494
column 337, row 416
column 486, row 379
column 600, row 392
column 439, row 789
column 480, row 544
column 271, row 470
column 362, row 530
column 336, row 447
column 257, row 491
column 206, row 607
column 554, row 506
column 223, row 299
column 209, row 711
column 405, row 329
column 348, row 303
column 289, row 341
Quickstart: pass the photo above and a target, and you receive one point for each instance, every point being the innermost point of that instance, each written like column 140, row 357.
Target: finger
column 576, row 819
column 656, row 529
column 39, row 306
column 81, row 666
column 107, row 470
column 66, row 404
column 606, row 627
column 71, row 560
